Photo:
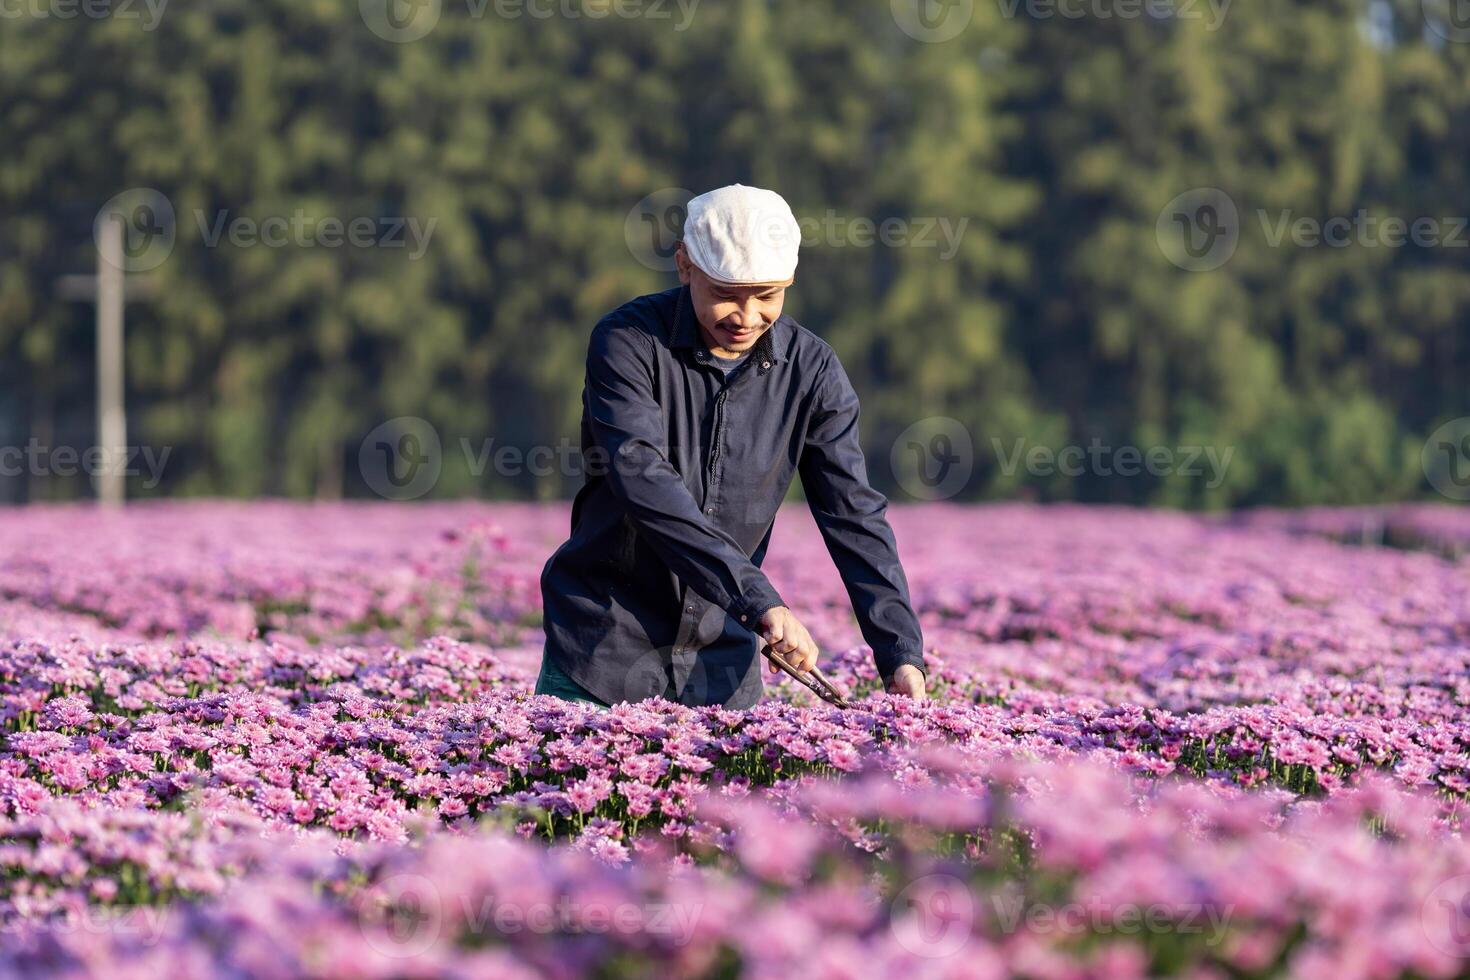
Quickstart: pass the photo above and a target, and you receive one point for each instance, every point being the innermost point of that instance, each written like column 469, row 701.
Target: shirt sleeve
column 852, row 518
column 627, row 425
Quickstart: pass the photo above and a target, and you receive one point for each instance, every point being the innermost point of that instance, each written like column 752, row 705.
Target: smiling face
column 731, row 318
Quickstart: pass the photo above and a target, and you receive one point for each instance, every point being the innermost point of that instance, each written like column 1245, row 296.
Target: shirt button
column 744, row 618
column 709, row 510
column 689, row 609
column 765, row 364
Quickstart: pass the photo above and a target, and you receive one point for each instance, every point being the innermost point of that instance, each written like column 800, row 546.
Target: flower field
column 279, row 740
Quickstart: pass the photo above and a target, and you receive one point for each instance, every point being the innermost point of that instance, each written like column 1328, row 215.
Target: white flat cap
column 743, row 236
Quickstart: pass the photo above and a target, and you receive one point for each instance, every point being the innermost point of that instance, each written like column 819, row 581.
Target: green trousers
column 555, row 682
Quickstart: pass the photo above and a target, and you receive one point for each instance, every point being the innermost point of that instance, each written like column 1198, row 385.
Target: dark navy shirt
column 659, row 589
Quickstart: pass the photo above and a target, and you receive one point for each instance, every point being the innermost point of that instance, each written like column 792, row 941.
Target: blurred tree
column 1016, row 174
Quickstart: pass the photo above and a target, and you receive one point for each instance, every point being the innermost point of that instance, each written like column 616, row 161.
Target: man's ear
column 681, row 261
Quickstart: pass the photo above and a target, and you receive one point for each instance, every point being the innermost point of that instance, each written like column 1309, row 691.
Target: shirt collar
column 774, row 345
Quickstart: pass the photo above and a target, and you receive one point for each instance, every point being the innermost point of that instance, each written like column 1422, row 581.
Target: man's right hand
column 784, row 634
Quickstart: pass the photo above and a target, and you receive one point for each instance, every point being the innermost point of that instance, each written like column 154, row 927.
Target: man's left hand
column 909, row 680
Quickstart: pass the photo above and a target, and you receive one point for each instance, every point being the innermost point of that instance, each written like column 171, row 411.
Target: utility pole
column 107, row 289
column 112, row 419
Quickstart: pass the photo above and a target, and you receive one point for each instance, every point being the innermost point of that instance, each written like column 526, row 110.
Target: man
column 701, row 404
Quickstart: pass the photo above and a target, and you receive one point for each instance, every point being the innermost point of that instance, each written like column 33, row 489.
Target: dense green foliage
column 1055, row 142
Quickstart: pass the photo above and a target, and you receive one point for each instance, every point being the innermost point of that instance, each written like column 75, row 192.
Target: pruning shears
column 813, row 680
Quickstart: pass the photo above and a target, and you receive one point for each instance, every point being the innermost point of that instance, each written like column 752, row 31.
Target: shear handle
column 817, row 683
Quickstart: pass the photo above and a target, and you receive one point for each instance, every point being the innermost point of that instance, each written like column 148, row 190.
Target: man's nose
column 749, row 316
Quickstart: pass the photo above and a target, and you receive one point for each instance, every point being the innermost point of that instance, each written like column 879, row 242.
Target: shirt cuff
column 888, row 661
column 749, row 608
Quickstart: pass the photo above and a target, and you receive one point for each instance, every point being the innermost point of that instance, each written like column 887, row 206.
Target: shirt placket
column 694, row 606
